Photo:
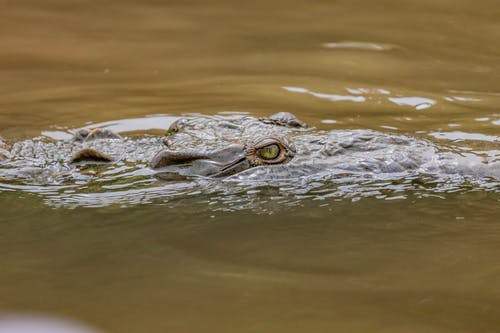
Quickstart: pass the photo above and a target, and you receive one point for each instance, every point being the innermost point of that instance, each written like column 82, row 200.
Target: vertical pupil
column 269, row 152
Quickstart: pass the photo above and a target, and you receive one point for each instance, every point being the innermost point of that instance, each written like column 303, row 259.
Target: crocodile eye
column 269, row 152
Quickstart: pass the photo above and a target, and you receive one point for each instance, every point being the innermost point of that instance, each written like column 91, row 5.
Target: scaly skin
column 234, row 146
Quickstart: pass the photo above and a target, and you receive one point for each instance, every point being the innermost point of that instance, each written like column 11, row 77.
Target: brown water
column 417, row 263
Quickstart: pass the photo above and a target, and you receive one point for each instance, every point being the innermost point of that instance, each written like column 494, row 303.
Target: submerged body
column 239, row 147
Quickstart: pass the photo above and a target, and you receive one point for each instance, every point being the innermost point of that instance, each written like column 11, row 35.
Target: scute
column 283, row 119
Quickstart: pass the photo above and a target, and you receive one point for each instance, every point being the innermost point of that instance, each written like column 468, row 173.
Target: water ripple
column 362, row 46
column 268, row 196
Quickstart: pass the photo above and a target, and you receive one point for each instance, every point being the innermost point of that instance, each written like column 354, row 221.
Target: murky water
column 149, row 257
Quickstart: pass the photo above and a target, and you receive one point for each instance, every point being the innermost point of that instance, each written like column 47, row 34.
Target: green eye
column 269, row 152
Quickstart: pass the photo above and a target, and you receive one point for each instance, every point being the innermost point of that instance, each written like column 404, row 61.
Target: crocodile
column 305, row 150
column 234, row 147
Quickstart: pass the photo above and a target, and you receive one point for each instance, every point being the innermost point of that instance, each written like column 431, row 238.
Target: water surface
column 388, row 258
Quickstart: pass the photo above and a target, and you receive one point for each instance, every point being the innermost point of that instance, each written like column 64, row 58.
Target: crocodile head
column 211, row 159
column 223, row 162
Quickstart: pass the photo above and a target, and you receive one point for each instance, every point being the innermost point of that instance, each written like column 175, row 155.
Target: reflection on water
column 461, row 136
column 157, row 122
column 127, row 253
column 419, row 103
column 360, row 46
column 19, row 323
column 331, row 97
